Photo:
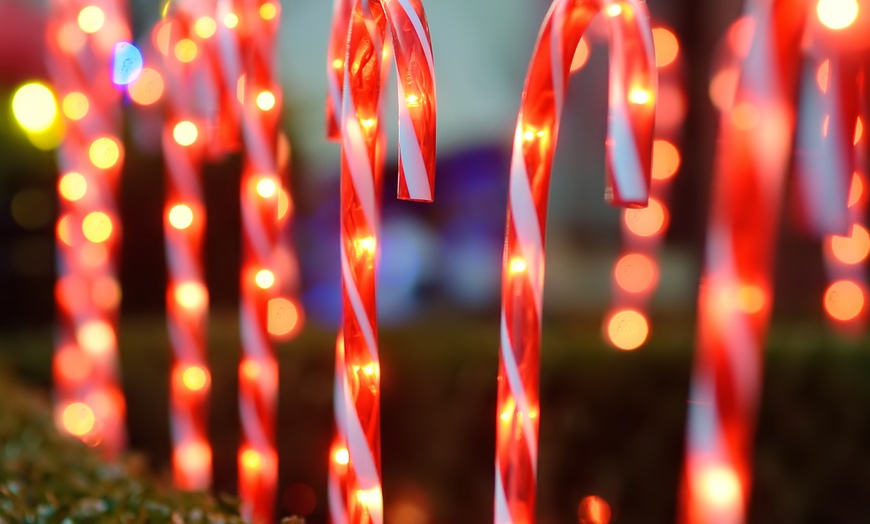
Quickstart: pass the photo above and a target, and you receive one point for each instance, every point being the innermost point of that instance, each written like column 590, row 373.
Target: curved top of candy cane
column 632, row 93
column 412, row 48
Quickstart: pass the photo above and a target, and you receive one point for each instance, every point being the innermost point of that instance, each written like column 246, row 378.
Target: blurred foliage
column 612, row 422
column 46, row 477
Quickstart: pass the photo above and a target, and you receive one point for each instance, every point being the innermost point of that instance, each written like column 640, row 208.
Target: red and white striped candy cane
column 636, row 272
column 81, row 39
column 338, row 454
column 629, row 144
column 185, row 141
column 736, row 289
column 360, row 138
column 335, row 66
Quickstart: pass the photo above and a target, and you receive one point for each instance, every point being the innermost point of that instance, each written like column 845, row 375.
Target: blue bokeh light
column 127, row 63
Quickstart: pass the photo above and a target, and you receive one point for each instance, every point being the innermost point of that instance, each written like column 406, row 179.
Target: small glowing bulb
column 265, row 100
column 252, row 460
column 91, row 19
column 180, row 216
column 34, row 107
column 837, row 14
column 205, row 27
column 720, row 486
column 365, row 245
column 231, row 20
column 78, row 419
column 185, row 133
column 250, row 369
column 268, row 11
column 367, row 123
column 412, row 100
column 639, row 96
column 72, row 186
column 191, row 295
column 338, row 63
column 97, row 227
column 342, row 457
column 517, row 265
column 194, row 378
column 75, row 106
column 369, row 369
column 264, row 279
column 96, row 337
column 266, row 187
column 614, row 10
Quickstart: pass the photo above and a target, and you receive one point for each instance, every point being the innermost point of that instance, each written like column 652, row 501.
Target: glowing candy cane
column 636, row 273
column 735, row 296
column 81, row 39
column 184, row 145
column 629, row 144
column 360, row 136
column 335, row 66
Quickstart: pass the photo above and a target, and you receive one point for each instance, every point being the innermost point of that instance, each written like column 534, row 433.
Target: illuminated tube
column 632, row 96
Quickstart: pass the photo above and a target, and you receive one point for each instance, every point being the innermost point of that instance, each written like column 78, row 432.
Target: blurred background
column 612, row 421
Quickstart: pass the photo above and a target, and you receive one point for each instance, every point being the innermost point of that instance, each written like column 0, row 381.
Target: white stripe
column 361, row 457
column 502, row 511
column 628, row 175
column 556, row 21
column 410, row 153
column 425, row 43
column 518, row 389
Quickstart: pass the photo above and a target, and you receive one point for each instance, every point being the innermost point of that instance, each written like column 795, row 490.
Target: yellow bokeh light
column 75, row 106
column 72, row 186
column 205, row 27
column 856, row 189
column 265, row 100
column 186, row 50
column 720, row 487
column 180, row 216
column 283, row 204
column 365, row 245
column 368, row 123
column 370, row 498
column 639, row 96
column 751, row 298
column 78, row 419
column 191, row 296
column 104, row 152
column 268, row 11
column 194, row 378
column 341, row 456
column 837, row 14
column 338, row 63
column 97, row 227
column 264, row 279
column 185, row 133
column 250, row 369
column 34, row 107
column 517, row 265
column 627, row 329
column 266, row 187
column 231, row 20
column 251, row 460
column 193, row 456
column 412, row 100
column 91, row 19
column 614, row 10
column 96, row 337
column 64, row 230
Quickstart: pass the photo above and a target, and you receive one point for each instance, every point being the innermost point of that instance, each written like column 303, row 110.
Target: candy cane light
column 81, row 37
column 632, row 95
column 370, row 24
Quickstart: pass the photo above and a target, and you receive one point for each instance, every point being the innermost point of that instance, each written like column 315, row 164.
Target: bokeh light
column 127, row 63
column 627, row 329
column 194, row 378
column 268, row 11
column 751, row 298
column 719, row 487
column 639, row 96
column 665, row 161
column 856, row 189
column 231, row 20
column 635, row 273
column 264, row 279
column 745, row 116
column 192, row 456
column 186, row 50
column 104, row 152
column 517, row 265
column 852, row 249
column 593, row 510
column 185, row 133
column 723, row 86
column 72, row 186
column 844, row 300
column 251, row 460
column 266, row 187
column 180, row 216
column 148, row 88
column 75, row 106
column 78, row 419
column 72, row 364
column 341, row 456
column 581, row 56
column 162, row 35
column 91, row 19
column 96, row 337
column 823, row 76
column 283, row 317
column 34, row 107
column 192, row 296
column 666, row 46
column 64, row 230
column 837, row 14
column 265, row 100
column 648, row 221
column 97, row 227
column 205, row 27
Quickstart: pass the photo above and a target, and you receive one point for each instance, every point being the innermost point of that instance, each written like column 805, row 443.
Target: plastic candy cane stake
column 185, row 142
column 360, row 136
column 82, row 38
column 335, row 66
column 736, row 290
column 629, row 143
column 636, row 273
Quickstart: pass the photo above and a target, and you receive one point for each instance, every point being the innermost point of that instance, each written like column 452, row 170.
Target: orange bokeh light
column 745, row 116
column 148, row 88
column 593, row 510
column 854, row 248
column 106, row 292
column 627, row 329
column 64, row 230
column 648, row 221
column 740, row 35
column 823, row 75
column 751, row 298
column 859, row 131
column 192, row 296
column 723, row 87
column 72, row 364
column 193, row 456
column 635, row 273
column 250, row 369
column 665, row 161
column 666, row 46
column 251, row 459
column 581, row 56
column 78, row 419
column 844, row 300
column 283, row 317
column 856, row 189
column 96, row 337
